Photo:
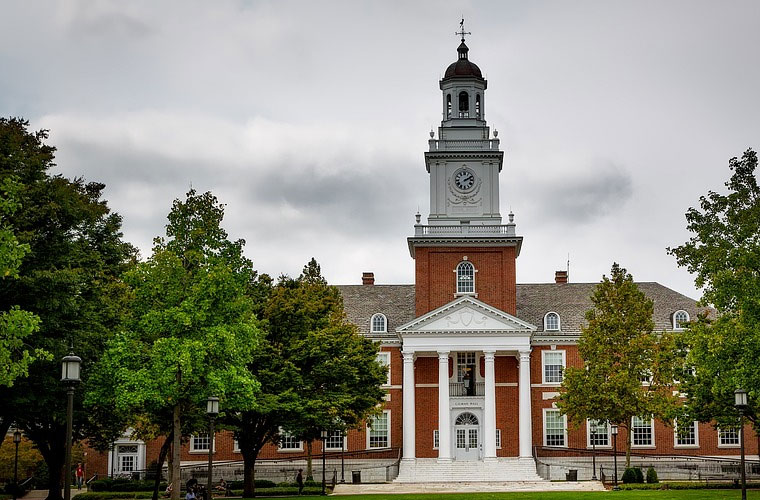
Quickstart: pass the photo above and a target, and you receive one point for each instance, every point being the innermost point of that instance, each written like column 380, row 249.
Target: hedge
column 123, row 485
column 687, row 485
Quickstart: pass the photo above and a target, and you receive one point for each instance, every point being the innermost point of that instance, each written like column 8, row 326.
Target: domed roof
column 463, row 67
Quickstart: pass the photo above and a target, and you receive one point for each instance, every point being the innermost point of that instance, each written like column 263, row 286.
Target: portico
column 466, row 336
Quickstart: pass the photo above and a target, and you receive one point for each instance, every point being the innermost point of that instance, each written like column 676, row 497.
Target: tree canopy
column 724, row 255
column 628, row 369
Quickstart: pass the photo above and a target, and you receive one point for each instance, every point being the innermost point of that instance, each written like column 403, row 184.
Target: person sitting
column 222, row 486
column 190, row 494
column 168, row 491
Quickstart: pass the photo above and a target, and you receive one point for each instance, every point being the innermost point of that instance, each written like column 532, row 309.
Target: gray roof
column 569, row 300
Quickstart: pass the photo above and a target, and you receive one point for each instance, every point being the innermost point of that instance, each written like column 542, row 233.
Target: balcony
column 465, row 229
column 460, row 389
column 463, row 145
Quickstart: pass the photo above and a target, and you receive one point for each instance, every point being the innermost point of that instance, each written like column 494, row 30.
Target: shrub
column 259, row 483
column 629, row 476
column 652, row 476
column 121, row 485
column 109, row 495
column 639, row 475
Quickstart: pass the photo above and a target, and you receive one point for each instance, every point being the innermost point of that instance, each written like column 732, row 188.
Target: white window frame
column 339, row 448
column 652, row 444
column 564, row 425
column 284, row 435
column 498, row 439
column 474, row 272
column 676, row 323
column 721, row 444
column 193, row 448
column 369, row 428
column 696, row 436
column 546, row 322
column 387, row 356
column 588, row 436
column 543, row 365
column 372, row 323
column 436, row 439
column 235, row 445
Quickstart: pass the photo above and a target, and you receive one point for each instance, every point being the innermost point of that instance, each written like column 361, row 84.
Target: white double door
column 467, row 437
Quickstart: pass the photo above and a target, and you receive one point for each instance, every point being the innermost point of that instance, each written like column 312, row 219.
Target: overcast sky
column 309, row 119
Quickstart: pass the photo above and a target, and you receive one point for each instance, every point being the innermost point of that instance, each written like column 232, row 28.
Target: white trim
column 588, row 437
column 235, row 445
column 386, row 412
column 194, row 451
column 543, row 366
column 686, row 446
column 456, row 270
column 280, row 449
column 721, row 445
column 339, row 448
column 559, row 322
column 679, row 328
column 564, row 425
column 372, row 323
column 387, row 355
column 644, row 446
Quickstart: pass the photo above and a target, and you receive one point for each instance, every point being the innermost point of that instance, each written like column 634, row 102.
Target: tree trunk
column 160, row 464
column 309, row 471
column 249, row 462
column 54, row 459
column 176, row 438
column 627, row 447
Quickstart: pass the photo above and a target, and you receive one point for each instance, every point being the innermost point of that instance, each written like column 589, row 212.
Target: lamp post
column 342, row 453
column 614, row 431
column 16, row 441
column 740, row 401
column 69, row 377
column 593, row 451
column 324, row 442
column 212, row 410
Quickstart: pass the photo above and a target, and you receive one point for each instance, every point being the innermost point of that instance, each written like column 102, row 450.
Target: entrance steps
column 430, row 470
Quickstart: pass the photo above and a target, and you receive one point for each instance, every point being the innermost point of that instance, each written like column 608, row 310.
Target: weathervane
column 462, row 32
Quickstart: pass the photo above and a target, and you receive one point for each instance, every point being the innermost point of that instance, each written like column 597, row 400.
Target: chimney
column 368, row 278
column 560, row 276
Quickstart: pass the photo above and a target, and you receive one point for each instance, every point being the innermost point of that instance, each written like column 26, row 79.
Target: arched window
column 464, row 105
column 448, row 105
column 477, row 105
column 466, row 418
column 465, row 277
column 551, row 322
column 680, row 318
column 378, row 324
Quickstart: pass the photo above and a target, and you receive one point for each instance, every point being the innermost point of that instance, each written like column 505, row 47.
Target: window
column 728, row 437
column 199, row 442
column 554, row 365
column 645, row 377
column 643, row 431
column 498, row 439
column 334, row 440
column 464, row 105
column 378, row 324
column 477, row 105
column 448, row 106
column 436, row 439
column 384, row 358
column 289, row 442
column 235, row 445
column 465, row 277
column 598, row 433
column 127, row 463
column 686, row 434
column 555, row 428
column 680, row 319
column 379, row 435
column 551, row 322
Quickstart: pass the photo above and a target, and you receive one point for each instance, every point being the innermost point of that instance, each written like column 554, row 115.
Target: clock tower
column 465, row 223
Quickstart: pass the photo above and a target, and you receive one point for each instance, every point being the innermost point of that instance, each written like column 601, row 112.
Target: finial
column 495, row 133
column 432, row 134
column 417, row 216
column 511, row 217
column 461, row 31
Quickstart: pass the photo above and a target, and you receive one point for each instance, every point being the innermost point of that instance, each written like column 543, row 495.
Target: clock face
column 464, row 179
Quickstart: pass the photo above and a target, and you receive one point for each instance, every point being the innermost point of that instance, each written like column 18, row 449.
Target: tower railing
column 463, row 144
column 465, row 229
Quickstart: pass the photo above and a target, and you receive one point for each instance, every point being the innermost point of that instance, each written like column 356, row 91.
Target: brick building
column 474, row 358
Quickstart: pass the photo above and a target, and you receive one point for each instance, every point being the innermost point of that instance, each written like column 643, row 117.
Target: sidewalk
column 42, row 494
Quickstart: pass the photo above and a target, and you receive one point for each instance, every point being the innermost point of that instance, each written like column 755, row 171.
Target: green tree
column 619, row 350
column 69, row 279
column 316, row 370
column 724, row 255
column 192, row 331
column 15, row 324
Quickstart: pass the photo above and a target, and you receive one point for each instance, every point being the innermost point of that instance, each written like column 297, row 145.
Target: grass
column 566, row 495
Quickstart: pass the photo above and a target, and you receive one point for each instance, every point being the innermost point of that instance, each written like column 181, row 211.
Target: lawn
column 566, row 495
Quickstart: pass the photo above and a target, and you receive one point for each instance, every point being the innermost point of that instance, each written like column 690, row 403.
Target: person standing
column 80, row 476
column 299, row 481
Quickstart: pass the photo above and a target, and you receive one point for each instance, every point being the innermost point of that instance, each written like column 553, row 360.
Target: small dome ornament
column 495, row 133
column 432, row 134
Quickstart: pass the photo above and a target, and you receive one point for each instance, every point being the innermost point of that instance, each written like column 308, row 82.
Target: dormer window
column 465, row 277
column 680, row 319
column 551, row 322
column 464, row 105
column 378, row 324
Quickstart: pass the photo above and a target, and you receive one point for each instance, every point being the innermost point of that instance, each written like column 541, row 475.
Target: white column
column 489, row 426
column 526, row 432
column 444, row 420
column 408, row 409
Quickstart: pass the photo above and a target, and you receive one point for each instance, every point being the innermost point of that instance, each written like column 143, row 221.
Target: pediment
column 466, row 314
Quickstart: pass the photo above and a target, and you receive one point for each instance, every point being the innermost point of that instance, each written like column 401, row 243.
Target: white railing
column 462, row 229
column 460, row 389
column 463, row 144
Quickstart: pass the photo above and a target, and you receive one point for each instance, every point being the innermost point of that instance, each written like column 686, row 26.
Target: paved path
column 37, row 494
column 391, row 488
